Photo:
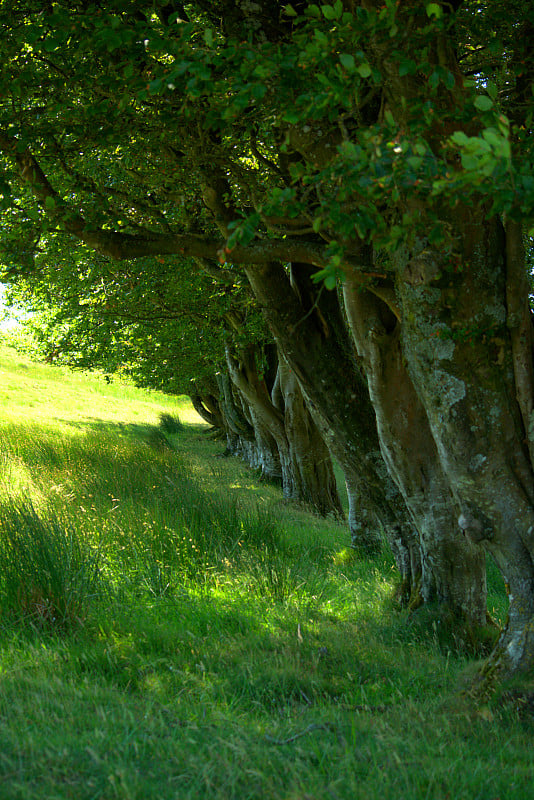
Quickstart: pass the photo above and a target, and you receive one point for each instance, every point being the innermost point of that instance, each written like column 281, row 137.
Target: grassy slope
column 241, row 658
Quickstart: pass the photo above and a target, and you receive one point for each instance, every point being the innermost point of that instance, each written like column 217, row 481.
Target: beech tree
column 385, row 148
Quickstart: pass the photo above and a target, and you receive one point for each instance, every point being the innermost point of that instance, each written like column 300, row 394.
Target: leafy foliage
column 132, row 113
column 137, row 127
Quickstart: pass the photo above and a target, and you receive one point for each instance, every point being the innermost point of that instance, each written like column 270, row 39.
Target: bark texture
column 444, row 565
column 305, row 466
column 458, row 341
column 312, row 465
column 315, row 344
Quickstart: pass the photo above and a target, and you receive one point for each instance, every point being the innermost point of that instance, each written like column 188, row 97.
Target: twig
column 316, row 726
column 308, row 313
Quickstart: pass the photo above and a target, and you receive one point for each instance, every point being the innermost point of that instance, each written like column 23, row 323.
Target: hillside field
column 171, row 629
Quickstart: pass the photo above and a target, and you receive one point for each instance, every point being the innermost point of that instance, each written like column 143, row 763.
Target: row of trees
column 360, row 171
column 171, row 326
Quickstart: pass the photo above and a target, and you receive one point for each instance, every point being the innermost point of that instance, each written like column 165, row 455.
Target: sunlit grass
column 32, row 393
column 219, row 642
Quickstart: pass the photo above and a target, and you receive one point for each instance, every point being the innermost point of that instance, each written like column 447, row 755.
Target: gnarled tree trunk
column 315, row 344
column 458, row 341
column 298, row 441
column 312, row 466
column 205, row 402
column 453, row 569
column 236, row 425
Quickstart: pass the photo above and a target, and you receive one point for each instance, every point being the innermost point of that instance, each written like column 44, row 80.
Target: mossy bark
column 460, row 353
column 451, row 570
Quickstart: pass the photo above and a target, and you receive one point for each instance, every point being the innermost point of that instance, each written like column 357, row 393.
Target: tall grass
column 214, row 641
column 90, row 507
column 49, row 574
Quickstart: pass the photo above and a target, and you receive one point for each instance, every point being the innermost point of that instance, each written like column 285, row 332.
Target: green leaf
column 155, row 86
column 492, row 90
column 364, row 70
column 407, row 67
column 504, row 125
column 290, row 11
column 469, row 162
column 50, row 44
column 333, row 12
column 49, row 203
column 433, row 80
column 330, row 282
column 498, row 142
column 493, row 137
column 460, row 138
column 348, row 61
column 483, row 102
column 414, row 161
column 434, row 10
column 259, row 91
column 292, row 117
column 317, row 277
column 449, row 80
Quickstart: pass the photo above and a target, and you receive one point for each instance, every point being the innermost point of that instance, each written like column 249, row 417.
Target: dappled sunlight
column 215, row 619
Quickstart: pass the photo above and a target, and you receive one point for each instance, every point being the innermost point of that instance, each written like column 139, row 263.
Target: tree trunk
column 452, row 569
column 236, row 425
column 244, row 376
column 315, row 344
column 200, row 406
column 204, row 400
column 460, row 352
column 266, row 452
column 304, row 461
column 312, row 465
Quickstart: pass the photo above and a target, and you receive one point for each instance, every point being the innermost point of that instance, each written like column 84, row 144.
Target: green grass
column 170, row 628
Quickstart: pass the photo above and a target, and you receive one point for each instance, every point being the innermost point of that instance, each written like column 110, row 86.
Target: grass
column 170, row 628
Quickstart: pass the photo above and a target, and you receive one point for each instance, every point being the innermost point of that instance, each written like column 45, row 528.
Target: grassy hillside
column 170, row 628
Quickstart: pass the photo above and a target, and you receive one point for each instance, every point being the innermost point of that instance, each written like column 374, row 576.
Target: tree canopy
column 129, row 122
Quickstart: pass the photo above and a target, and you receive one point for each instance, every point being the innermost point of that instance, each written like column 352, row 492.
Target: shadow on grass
column 169, row 547
column 243, row 654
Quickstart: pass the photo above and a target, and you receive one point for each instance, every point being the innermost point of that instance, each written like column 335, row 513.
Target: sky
column 7, row 320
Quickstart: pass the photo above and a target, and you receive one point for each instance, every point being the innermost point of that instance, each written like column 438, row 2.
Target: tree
column 386, row 144
column 171, row 326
